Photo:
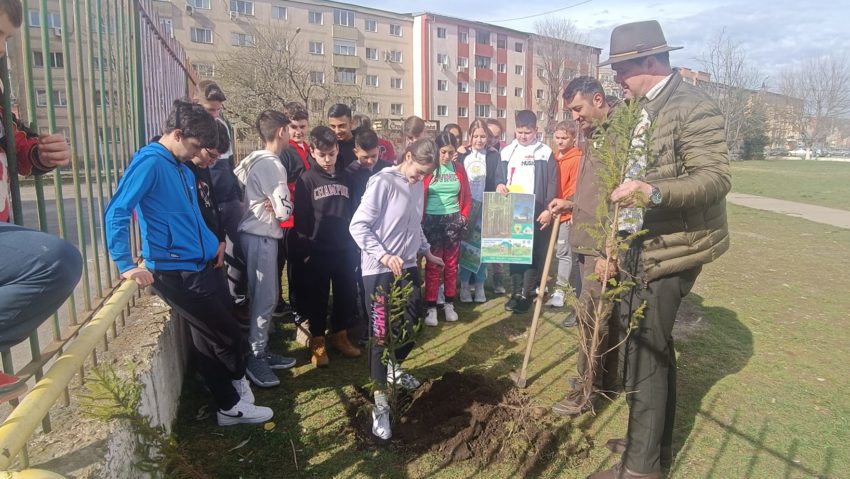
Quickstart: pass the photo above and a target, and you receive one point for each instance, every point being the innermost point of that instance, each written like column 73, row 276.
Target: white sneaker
column 465, row 295
column 451, row 315
column 479, row 293
column 243, row 387
column 441, row 295
column 557, row 299
column 244, row 413
column 499, row 289
column 431, row 317
column 381, row 417
column 537, row 291
column 397, row 375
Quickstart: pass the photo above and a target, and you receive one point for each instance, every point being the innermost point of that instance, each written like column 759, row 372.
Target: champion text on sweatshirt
column 389, row 221
column 323, row 207
column 264, row 178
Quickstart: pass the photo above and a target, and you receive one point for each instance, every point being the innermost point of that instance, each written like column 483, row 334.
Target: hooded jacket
column 162, row 191
column 264, row 178
column 323, row 206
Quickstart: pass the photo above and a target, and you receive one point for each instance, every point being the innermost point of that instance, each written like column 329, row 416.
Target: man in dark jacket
column 683, row 191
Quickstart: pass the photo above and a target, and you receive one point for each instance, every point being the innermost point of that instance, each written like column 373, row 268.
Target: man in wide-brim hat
column 683, row 190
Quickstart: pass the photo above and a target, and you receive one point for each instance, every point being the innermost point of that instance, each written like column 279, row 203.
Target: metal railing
column 119, row 77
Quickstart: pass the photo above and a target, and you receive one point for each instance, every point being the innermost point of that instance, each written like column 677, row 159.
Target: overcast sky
column 775, row 33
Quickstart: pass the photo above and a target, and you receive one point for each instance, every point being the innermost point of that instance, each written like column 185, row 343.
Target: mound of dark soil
column 469, row 417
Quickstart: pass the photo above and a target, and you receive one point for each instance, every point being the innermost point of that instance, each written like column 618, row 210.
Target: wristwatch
column 655, row 197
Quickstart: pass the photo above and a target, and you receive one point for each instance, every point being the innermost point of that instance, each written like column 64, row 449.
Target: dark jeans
column 649, row 362
column 315, row 277
column 38, row 272
column 377, row 287
column 237, row 282
column 219, row 344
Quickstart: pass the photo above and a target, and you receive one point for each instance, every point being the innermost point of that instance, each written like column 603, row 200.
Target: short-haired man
column 585, row 98
column 228, row 194
column 179, row 250
column 339, row 120
column 684, row 190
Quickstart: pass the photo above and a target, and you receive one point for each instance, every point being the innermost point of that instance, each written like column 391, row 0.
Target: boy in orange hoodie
column 568, row 157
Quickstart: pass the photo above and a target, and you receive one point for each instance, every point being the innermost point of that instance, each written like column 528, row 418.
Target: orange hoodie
column 568, row 163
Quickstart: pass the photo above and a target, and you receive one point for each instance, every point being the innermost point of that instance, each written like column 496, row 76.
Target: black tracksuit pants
column 219, row 344
column 314, row 277
column 377, row 287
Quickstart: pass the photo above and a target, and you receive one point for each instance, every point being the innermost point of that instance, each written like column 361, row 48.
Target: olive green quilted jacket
column 689, row 164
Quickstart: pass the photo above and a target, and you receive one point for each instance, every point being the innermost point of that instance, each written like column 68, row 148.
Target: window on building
column 483, row 62
column 463, row 62
column 541, row 72
column 482, row 86
column 167, row 26
column 371, row 25
column 462, row 112
column 482, row 38
column 518, row 92
column 59, row 98
column 315, row 18
column 41, row 97
column 53, row 19
column 441, row 32
column 372, row 80
column 519, row 47
column 462, row 87
column 373, row 108
column 202, row 4
column 278, row 13
column 345, row 47
column 396, row 83
column 501, row 42
column 463, row 36
column 501, row 91
column 442, row 85
column 55, row 58
column 396, row 109
column 346, row 76
column 518, row 69
column 201, row 35
column 539, row 94
column 317, row 78
column 395, row 30
column 204, row 70
column 241, row 40
column 97, row 98
column 394, row 56
column 500, row 113
column 317, row 48
column 502, row 67
column 540, row 115
column 442, row 59
column 344, row 18
column 242, row 7
column 442, row 110
column 371, row 53
column 482, row 111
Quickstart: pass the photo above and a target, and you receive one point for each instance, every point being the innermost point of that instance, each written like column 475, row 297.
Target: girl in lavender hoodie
column 387, row 228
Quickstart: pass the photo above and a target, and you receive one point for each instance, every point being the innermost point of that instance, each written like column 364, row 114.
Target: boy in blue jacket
column 179, row 249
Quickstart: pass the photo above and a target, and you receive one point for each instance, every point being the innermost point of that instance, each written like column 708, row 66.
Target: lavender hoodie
column 389, row 221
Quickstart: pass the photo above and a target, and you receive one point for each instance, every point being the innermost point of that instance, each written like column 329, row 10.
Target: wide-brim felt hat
column 637, row 40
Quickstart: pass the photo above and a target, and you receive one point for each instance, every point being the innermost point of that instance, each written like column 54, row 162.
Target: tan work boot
column 319, row 355
column 340, row 342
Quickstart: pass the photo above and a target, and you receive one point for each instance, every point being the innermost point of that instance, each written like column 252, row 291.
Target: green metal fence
column 107, row 78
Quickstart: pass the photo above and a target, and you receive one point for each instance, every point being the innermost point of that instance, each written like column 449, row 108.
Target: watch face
column 655, row 197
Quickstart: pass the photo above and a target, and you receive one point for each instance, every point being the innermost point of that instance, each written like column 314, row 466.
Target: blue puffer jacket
column 162, row 191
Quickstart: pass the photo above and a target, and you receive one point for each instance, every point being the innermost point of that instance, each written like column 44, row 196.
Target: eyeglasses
column 212, row 154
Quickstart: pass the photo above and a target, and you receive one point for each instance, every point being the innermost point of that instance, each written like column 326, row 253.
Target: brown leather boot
column 319, row 355
column 340, row 342
column 619, row 471
column 618, row 445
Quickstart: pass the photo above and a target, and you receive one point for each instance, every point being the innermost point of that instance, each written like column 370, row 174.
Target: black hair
column 365, row 138
column 210, row 91
column 322, row 138
column 361, row 121
column 268, row 122
column 223, row 138
column 339, row 110
column 13, row 10
column 453, row 126
column 586, row 85
column 526, row 118
column 193, row 121
column 446, row 139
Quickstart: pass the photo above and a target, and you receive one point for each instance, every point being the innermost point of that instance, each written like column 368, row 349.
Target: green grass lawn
column 763, row 388
column 824, row 183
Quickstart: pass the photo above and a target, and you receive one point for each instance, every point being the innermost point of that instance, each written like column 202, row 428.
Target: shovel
column 519, row 378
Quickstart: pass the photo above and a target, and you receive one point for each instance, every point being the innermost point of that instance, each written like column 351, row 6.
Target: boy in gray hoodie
column 267, row 204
